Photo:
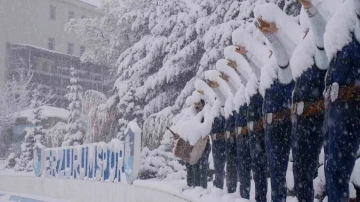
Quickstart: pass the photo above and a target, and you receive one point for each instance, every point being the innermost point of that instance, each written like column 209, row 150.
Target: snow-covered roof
column 47, row 111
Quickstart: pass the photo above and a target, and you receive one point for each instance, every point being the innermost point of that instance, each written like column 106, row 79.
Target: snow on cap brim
column 272, row 13
column 339, row 29
column 243, row 38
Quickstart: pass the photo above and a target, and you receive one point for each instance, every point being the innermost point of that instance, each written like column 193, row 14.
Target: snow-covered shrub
column 55, row 135
column 155, row 127
column 10, row 161
column 161, row 163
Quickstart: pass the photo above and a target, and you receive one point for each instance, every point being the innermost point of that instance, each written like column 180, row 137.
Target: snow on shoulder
column 269, row 73
column 303, row 56
column 340, row 28
column 46, row 112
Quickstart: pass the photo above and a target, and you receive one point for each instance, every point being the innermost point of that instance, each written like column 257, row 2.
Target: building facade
column 32, row 37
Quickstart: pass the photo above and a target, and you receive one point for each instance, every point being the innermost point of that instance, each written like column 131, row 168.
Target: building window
column 83, row 16
column 51, row 44
column 52, row 12
column 70, row 48
column 82, row 50
column 71, row 15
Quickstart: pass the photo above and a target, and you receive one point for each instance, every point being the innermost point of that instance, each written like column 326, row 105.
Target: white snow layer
column 46, row 111
column 339, row 28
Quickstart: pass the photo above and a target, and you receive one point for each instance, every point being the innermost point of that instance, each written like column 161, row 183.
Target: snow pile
column 340, row 28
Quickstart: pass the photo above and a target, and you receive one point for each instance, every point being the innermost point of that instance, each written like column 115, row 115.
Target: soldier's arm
column 317, row 25
column 285, row 75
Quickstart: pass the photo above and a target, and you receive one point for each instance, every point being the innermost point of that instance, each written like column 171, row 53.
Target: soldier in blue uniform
column 308, row 106
column 244, row 40
column 342, row 100
column 254, row 129
column 276, row 108
column 215, row 79
column 232, row 148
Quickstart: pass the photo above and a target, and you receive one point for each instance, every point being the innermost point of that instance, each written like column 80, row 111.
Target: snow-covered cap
column 287, row 25
column 240, row 37
column 208, row 94
column 242, row 66
column 222, row 66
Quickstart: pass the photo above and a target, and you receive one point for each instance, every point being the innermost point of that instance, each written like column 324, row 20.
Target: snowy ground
column 211, row 194
column 12, row 197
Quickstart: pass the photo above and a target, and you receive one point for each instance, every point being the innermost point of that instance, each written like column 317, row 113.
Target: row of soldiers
column 290, row 94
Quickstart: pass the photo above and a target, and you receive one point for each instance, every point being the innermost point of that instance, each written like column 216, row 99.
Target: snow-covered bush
column 55, row 135
column 76, row 126
column 10, row 161
column 155, row 127
column 161, row 163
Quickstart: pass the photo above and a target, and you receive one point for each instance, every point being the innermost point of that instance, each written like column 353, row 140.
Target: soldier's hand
column 206, row 138
column 267, row 27
column 306, row 3
column 232, row 64
column 241, row 50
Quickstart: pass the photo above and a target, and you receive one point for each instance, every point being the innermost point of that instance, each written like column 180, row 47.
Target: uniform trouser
column 342, row 123
column 218, row 151
column 244, row 165
column 259, row 164
column 306, row 146
column 278, row 143
column 231, row 164
column 197, row 173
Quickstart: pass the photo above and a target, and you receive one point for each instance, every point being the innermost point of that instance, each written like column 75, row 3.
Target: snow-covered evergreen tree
column 33, row 135
column 75, row 127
